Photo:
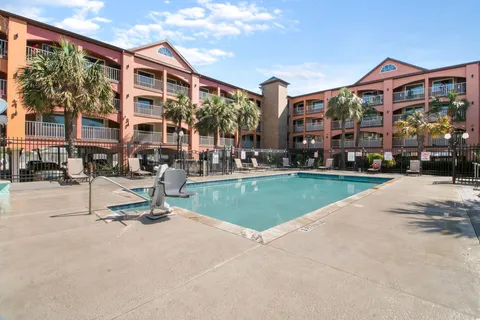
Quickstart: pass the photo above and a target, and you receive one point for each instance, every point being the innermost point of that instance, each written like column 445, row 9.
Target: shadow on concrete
column 71, row 214
column 146, row 221
column 445, row 217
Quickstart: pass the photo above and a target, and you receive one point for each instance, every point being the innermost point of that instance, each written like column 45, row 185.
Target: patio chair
column 257, row 166
column 175, row 181
column 135, row 169
column 309, row 164
column 240, row 167
column 376, row 166
column 328, row 165
column 414, row 167
column 75, row 170
column 286, row 163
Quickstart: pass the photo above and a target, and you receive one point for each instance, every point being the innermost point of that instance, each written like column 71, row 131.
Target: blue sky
column 312, row 44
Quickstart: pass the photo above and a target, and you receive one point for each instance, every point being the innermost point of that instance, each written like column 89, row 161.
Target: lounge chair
column 175, row 181
column 135, row 169
column 286, row 163
column 328, row 165
column 376, row 166
column 309, row 164
column 75, row 170
column 414, row 167
column 257, row 166
column 240, row 167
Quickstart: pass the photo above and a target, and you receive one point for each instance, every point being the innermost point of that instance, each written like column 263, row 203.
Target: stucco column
column 218, row 91
column 164, row 100
column 126, row 97
column 387, row 113
column 78, row 126
column 473, row 96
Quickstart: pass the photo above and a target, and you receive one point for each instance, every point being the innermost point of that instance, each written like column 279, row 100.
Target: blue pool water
column 264, row 202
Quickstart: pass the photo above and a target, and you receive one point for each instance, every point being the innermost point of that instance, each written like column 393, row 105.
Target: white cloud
column 78, row 25
column 195, row 12
column 166, row 2
column 29, row 12
column 200, row 57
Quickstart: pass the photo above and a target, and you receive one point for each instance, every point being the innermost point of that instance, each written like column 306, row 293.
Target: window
column 53, row 118
column 388, row 67
column 172, row 81
column 93, row 60
column 317, row 104
column 165, row 52
column 92, row 122
column 145, row 102
column 47, row 47
column 145, row 127
column 204, row 90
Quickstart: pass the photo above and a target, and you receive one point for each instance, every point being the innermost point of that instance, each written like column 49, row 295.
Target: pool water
column 264, row 202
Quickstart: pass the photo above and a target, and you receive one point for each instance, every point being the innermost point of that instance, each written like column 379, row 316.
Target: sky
column 312, row 44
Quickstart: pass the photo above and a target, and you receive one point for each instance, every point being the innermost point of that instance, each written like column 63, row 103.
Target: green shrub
column 299, row 160
column 373, row 156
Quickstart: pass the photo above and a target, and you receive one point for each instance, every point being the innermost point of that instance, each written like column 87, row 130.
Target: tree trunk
column 68, row 117
column 179, row 128
column 342, row 145
column 215, row 139
column 421, row 142
column 239, row 137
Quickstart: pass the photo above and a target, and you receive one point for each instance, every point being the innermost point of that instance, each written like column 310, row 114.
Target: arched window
column 388, row 67
column 165, row 51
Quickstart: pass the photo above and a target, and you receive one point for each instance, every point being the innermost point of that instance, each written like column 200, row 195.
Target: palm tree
column 63, row 78
column 456, row 109
column 417, row 125
column 178, row 112
column 345, row 105
column 216, row 116
column 247, row 113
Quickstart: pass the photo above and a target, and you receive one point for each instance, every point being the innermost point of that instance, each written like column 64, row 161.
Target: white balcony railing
column 409, row 142
column 407, row 95
column 314, row 126
column 373, row 100
column 113, row 74
column 316, row 145
column 32, row 52
column 337, row 124
column 100, row 133
column 315, row 108
column 3, row 48
column 144, row 109
column 205, row 95
column 442, row 91
column 397, row 117
column 207, row 140
column 171, row 139
column 346, row 143
column 298, row 128
column 298, row 145
column 3, row 88
column 44, row 129
column 227, row 100
column 148, row 83
column 147, row 136
column 371, row 122
column 298, row 111
column 174, row 89
column 370, row 143
column 228, row 142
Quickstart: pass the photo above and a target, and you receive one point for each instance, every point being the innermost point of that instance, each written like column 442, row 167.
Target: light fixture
column 304, row 141
column 313, row 141
column 447, row 136
column 465, row 135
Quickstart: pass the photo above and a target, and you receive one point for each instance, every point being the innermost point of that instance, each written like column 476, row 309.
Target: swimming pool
column 260, row 203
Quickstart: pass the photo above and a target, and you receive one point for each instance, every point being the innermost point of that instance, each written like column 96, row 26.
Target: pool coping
column 287, row 227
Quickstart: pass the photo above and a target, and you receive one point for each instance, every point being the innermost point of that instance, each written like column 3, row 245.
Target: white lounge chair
column 414, row 167
column 309, row 164
column 257, row 166
column 240, row 167
column 286, row 163
column 75, row 170
column 378, row 163
column 328, row 165
column 135, row 169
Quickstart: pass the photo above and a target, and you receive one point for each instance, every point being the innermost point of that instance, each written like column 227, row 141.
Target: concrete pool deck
column 406, row 251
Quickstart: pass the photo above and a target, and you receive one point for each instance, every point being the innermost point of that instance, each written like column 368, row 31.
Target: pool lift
column 168, row 182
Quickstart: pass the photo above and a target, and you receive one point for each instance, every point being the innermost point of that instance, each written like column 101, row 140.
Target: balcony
column 247, row 144
column 373, row 100
column 173, row 140
column 315, row 108
column 337, row 124
column 205, row 95
column 207, row 141
column 370, row 143
column 117, row 104
column 397, row 117
column 148, row 83
column 434, row 116
column 174, row 89
column 32, row 52
column 3, row 48
column 227, row 142
column 99, row 133
column 346, row 143
column 3, row 88
column 443, row 91
column 227, row 100
column 314, row 126
column 147, row 136
column 298, row 128
column 371, row 122
column 438, row 142
column 44, row 129
column 298, row 145
column 316, row 145
column 113, row 74
column 409, row 142
column 408, row 95
column 142, row 109
column 298, row 111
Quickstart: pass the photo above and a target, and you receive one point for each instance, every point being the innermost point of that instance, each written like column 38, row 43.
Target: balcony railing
column 434, row 116
column 298, row 128
column 143, row 109
column 117, row 104
column 397, row 117
column 337, row 124
column 207, row 141
column 228, row 142
column 174, row 89
column 370, row 143
column 315, row 109
column 371, row 122
column 113, row 74
column 3, row 48
column 298, row 111
column 148, row 82
column 32, row 52
column 100, row 133
column 346, row 143
column 407, row 95
column 227, row 100
column 314, row 126
column 3, row 88
column 147, row 136
column 298, row 145
column 185, row 140
column 438, row 142
column 446, row 89
column 205, row 95
column 409, row 142
column 316, row 145
column 373, row 100
column 247, row 143
column 44, row 129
